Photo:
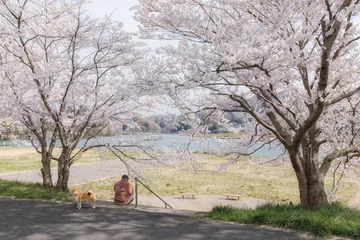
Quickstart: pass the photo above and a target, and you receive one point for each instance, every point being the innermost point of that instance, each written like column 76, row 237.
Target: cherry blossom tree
column 68, row 76
column 291, row 66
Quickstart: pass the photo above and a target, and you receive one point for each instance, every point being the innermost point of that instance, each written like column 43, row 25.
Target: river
column 172, row 142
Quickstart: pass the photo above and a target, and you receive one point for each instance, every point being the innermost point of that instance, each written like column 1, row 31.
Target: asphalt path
column 83, row 173
column 25, row 219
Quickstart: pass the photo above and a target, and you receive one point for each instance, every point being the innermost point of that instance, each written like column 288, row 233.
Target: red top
column 123, row 190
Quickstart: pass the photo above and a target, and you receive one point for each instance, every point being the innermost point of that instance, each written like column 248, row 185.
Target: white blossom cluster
column 291, row 66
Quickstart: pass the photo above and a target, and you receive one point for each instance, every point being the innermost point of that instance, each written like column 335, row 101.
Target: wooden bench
column 183, row 195
column 232, row 196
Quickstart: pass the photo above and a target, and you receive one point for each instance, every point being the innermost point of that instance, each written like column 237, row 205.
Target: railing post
column 136, row 192
column 137, row 180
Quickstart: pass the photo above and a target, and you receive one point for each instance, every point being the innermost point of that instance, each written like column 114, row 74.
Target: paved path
column 21, row 219
column 81, row 173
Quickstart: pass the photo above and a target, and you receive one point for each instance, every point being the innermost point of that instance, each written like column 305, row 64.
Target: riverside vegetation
column 260, row 181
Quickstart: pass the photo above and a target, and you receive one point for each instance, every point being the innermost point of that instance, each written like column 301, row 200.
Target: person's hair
column 125, row 177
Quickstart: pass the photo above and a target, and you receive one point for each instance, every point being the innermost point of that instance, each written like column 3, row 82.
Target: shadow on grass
column 21, row 190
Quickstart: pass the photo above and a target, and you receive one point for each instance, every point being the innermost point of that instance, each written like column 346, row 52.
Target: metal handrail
column 136, row 193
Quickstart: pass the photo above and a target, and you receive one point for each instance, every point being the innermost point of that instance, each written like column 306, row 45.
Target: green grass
column 22, row 190
column 333, row 220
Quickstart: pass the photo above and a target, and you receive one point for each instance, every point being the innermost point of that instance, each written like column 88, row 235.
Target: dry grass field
column 18, row 159
column 267, row 181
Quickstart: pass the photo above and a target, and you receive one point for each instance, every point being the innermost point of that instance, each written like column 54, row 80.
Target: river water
column 169, row 142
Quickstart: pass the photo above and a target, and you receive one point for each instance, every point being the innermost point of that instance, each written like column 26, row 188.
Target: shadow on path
column 23, row 219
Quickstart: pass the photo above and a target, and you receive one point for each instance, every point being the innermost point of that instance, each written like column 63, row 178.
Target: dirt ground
column 199, row 202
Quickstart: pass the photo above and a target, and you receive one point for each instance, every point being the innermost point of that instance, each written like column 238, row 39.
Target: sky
column 120, row 11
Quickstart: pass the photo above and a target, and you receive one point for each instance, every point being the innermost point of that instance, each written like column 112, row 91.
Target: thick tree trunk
column 312, row 187
column 312, row 194
column 46, row 153
column 63, row 179
column 46, row 169
column 63, row 176
column 46, row 175
column 63, row 171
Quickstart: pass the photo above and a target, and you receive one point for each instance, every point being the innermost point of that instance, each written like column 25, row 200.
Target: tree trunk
column 46, row 153
column 63, row 180
column 63, row 171
column 46, row 175
column 312, row 187
column 46, row 170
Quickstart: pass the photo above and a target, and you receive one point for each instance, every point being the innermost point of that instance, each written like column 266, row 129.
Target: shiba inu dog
column 82, row 197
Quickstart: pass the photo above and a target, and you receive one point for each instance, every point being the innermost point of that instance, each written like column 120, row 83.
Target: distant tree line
column 151, row 124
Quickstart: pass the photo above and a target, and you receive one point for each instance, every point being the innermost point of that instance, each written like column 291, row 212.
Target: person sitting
column 124, row 193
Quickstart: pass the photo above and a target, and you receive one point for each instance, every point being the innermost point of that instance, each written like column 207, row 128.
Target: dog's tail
column 90, row 192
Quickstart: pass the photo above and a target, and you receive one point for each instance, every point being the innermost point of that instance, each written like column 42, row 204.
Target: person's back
column 123, row 190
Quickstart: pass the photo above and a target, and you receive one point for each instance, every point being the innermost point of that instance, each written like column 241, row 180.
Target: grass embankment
column 21, row 190
column 333, row 220
column 268, row 182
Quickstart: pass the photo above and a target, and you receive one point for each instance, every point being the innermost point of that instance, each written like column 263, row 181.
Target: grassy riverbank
column 333, row 220
column 269, row 182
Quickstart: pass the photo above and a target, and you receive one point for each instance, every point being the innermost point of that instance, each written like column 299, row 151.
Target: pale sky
column 119, row 10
